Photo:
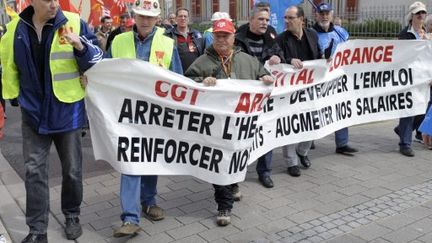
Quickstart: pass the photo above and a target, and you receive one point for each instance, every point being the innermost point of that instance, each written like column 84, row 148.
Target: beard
column 324, row 25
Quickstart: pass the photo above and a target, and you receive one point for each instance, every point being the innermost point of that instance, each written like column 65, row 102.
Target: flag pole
column 313, row 4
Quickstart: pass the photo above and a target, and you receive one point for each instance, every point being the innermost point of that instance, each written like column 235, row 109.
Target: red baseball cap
column 223, row 25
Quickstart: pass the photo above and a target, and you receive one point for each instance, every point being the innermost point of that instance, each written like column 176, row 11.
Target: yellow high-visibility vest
column 63, row 66
column 161, row 50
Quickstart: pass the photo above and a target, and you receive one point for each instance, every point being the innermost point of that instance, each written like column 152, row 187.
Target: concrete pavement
column 377, row 195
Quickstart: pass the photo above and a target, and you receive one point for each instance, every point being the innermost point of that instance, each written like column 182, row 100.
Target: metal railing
column 373, row 22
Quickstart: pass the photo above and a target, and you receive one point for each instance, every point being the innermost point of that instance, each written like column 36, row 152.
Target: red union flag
column 21, row 5
column 117, row 8
column 66, row 5
column 96, row 12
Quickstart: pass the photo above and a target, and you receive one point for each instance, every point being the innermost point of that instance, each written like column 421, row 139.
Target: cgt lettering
column 177, row 92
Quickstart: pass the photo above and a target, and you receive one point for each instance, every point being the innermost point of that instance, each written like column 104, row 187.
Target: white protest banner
column 145, row 120
column 366, row 81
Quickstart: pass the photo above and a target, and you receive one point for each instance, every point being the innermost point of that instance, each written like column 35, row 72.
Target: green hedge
column 201, row 27
column 374, row 28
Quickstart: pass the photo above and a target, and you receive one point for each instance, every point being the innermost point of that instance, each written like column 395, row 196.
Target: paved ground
column 376, row 196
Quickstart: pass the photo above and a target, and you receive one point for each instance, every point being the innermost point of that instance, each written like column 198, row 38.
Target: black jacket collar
column 27, row 14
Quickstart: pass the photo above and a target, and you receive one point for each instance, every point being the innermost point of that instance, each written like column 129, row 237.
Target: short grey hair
column 256, row 10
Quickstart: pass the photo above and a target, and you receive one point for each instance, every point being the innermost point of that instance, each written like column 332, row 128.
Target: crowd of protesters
column 42, row 67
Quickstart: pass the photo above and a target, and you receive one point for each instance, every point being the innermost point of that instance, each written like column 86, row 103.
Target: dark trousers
column 264, row 163
column 409, row 124
column 36, row 148
column 224, row 196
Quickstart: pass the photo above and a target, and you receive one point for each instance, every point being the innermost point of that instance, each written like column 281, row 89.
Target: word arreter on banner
column 141, row 112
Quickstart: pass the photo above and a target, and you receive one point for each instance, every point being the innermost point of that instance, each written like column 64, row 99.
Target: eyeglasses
column 420, row 12
column 290, row 17
column 264, row 19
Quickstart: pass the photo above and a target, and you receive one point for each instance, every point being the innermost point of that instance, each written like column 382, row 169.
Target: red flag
column 117, row 8
column 21, row 5
column 96, row 11
column 80, row 7
column 66, row 5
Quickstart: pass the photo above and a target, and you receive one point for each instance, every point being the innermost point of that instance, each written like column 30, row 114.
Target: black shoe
column 83, row 132
column 312, row 145
column 35, row 238
column 396, row 130
column 407, row 151
column 346, row 150
column 304, row 160
column 418, row 137
column 266, row 181
column 73, row 228
column 223, row 218
column 294, row 171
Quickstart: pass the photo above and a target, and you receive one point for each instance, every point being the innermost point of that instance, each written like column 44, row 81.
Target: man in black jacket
column 270, row 29
column 190, row 43
column 298, row 44
column 257, row 41
column 122, row 28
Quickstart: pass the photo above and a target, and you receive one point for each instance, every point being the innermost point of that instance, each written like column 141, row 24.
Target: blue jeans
column 341, row 137
column 133, row 191
column 36, row 148
column 264, row 163
column 405, row 131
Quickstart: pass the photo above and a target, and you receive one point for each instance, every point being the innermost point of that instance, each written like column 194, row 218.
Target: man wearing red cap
column 223, row 61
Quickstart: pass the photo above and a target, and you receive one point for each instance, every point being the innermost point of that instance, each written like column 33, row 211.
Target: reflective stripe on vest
column 63, row 66
column 161, row 50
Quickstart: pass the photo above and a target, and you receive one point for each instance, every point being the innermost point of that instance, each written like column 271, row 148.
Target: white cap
column 417, row 7
column 413, row 9
column 220, row 15
column 147, row 8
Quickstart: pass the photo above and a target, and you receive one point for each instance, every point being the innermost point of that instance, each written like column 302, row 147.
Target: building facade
column 201, row 10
